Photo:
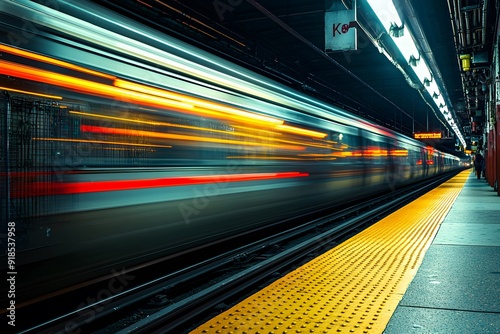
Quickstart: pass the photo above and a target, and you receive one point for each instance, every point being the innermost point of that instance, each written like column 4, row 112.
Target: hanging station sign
column 340, row 30
column 428, row 135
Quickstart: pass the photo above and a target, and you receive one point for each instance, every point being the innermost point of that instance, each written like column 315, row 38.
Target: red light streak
column 52, row 188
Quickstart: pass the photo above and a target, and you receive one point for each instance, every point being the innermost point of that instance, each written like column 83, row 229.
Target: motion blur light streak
column 250, row 84
column 45, row 188
column 198, row 128
column 125, row 90
column 304, row 132
column 195, row 101
column 399, row 153
column 48, row 60
column 100, row 142
column 145, row 4
column 378, row 152
column 55, row 97
column 86, row 86
column 152, row 134
column 262, row 157
column 240, row 80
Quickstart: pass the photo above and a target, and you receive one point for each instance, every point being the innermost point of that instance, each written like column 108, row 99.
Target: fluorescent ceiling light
column 388, row 16
column 423, row 72
column 406, row 45
column 432, row 88
column 386, row 13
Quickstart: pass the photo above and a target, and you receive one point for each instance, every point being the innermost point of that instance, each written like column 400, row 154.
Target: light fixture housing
column 389, row 18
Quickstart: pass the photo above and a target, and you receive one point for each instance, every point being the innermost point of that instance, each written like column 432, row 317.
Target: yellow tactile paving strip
column 352, row 288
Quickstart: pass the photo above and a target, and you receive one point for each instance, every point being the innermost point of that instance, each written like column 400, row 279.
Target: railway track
column 183, row 298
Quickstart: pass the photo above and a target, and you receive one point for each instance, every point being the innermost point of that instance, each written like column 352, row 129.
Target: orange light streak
column 399, row 153
column 100, row 142
column 375, row 153
column 55, row 97
column 98, row 89
column 48, row 60
column 300, row 131
column 190, row 127
column 145, row 4
column 262, row 157
column 380, row 153
column 152, row 134
column 86, row 86
column 347, row 154
column 203, row 104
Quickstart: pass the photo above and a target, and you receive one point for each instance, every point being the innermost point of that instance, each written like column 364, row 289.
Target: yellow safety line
column 352, row 288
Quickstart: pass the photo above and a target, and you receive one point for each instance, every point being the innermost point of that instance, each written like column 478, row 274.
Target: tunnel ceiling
column 284, row 40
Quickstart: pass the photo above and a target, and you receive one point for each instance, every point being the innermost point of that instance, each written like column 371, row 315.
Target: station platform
column 433, row 266
column 457, row 287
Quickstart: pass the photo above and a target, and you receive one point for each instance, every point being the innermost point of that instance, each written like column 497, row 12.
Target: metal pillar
column 496, row 158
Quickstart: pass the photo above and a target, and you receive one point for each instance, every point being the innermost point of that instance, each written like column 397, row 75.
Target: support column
column 496, row 153
column 490, row 159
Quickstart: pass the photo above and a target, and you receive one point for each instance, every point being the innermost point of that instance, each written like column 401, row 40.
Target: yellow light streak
column 300, row 131
column 153, row 134
column 316, row 155
column 375, row 153
column 346, row 154
column 262, row 157
column 204, row 105
column 100, row 142
column 399, row 153
column 48, row 60
column 319, row 156
column 247, row 128
column 87, row 86
column 126, row 149
column 235, row 133
column 129, row 91
column 55, row 97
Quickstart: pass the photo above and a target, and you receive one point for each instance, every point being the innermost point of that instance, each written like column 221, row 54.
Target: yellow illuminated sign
column 427, row 135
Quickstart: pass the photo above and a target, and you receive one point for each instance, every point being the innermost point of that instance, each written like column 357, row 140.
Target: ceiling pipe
column 468, row 31
column 476, row 21
column 484, row 18
column 455, row 24
column 456, row 35
column 461, row 24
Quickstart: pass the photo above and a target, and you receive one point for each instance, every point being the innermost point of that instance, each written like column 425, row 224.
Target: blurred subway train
column 121, row 144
